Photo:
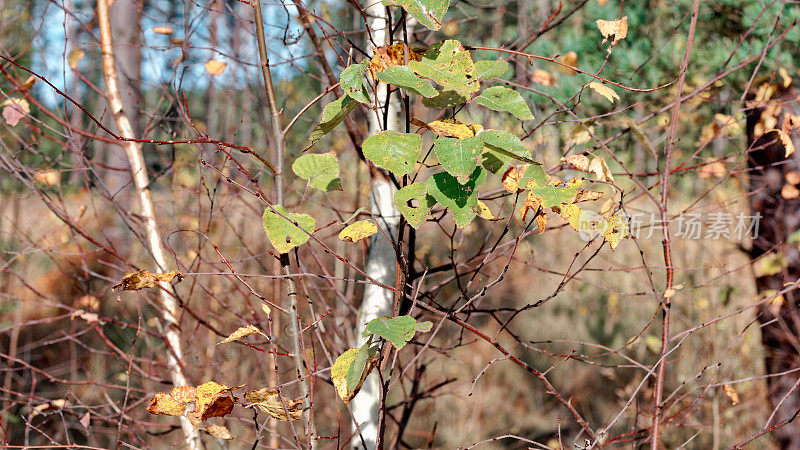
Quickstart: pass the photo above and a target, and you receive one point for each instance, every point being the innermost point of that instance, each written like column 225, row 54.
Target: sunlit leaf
column 215, row 67
column 458, row 157
column 284, row 234
column 397, row 330
column 460, row 199
column 617, row 28
column 404, row 77
column 452, row 128
column 162, row 30
column 417, row 193
column 219, row 431
column 490, row 69
column 164, row 404
column 358, row 231
column 393, row 151
column 213, row 400
column 449, row 65
column 241, row 332
column 605, row 91
column 429, row 13
column 332, row 115
column 321, row 171
column 348, row 386
column 500, row 98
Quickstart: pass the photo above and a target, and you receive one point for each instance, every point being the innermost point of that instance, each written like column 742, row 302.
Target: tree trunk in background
column 125, row 31
column 381, row 259
column 780, row 323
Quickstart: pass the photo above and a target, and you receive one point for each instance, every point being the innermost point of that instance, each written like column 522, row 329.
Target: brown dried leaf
column 511, row 179
column 14, row 110
column 213, row 400
column 731, row 394
column 164, row 404
column 74, row 57
column 617, row 28
column 240, row 333
column 215, row 67
column 580, row 162
column 542, row 77
column 392, row 55
column 269, row 401
column 570, row 61
column 143, row 279
column 219, row 431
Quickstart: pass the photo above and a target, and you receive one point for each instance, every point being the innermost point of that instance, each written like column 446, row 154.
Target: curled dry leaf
column 731, row 393
column 219, row 431
column 240, row 333
column 617, row 28
column 162, row 30
column 784, row 137
column 600, row 169
column 184, row 394
column 580, row 162
column 269, row 401
column 542, row 77
column 215, row 67
column 358, row 231
column 143, row 279
column 56, row 404
column 213, row 400
column 164, row 404
column 604, row 90
column 14, row 110
column 570, row 61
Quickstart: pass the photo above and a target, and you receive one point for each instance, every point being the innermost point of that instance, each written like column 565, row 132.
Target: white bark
column 133, row 151
column 381, row 259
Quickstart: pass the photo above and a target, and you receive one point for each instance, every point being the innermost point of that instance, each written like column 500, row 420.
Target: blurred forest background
column 80, row 361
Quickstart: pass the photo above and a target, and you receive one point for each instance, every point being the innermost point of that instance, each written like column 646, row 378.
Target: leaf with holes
column 397, row 330
column 393, row 151
column 458, row 157
column 284, row 234
column 499, row 98
column 416, row 193
column 429, row 13
column 449, row 65
column 404, row 77
column 332, row 115
column 460, row 199
column 321, row 171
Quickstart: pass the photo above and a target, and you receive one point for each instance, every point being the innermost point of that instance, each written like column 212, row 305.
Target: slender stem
column 666, row 299
column 133, row 151
column 279, row 141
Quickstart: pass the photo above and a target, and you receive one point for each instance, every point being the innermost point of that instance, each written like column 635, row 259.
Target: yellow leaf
column 451, row 128
column 266, row 308
column 605, row 91
column 669, row 293
column 339, row 373
column 143, row 279
column 74, row 57
column 769, row 264
column 792, row 177
column 485, row 213
column 731, row 394
column 511, row 179
column 617, row 28
column 616, row 229
column 786, row 140
column 184, row 394
column 47, row 177
column 240, row 333
column 570, row 61
column 213, row 400
column 215, row 67
column 269, row 401
column 542, row 77
column 358, row 231
column 786, row 79
column 600, row 169
column 164, row 404
column 219, row 431
column 789, row 192
column 162, row 30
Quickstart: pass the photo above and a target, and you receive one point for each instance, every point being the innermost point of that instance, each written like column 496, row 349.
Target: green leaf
column 461, row 199
column 404, row 77
column 351, row 369
column 397, row 330
column 501, row 98
column 333, row 114
column 502, row 149
column 551, row 196
column 352, row 82
column 284, row 234
column 490, row 69
column 429, row 13
column 445, row 99
column 424, row 327
column 415, row 215
column 449, row 65
column 534, row 172
column 321, row 171
column 393, row 151
column 458, row 157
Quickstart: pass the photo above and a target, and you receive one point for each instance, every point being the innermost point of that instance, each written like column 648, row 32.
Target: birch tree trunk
column 381, row 258
column 133, row 151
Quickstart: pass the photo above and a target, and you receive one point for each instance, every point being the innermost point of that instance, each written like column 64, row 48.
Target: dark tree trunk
column 780, row 217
